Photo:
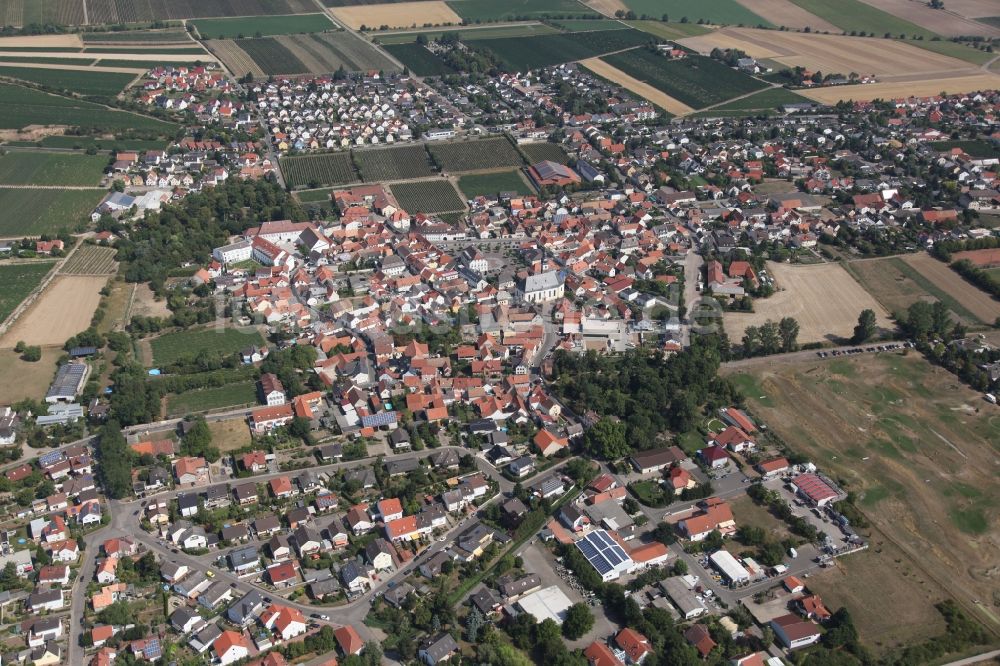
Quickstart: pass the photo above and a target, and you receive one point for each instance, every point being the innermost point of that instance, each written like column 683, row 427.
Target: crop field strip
column 134, row 11
column 491, row 153
column 321, row 169
column 42, row 60
column 234, row 58
column 20, row 107
column 539, row 151
column 855, row 15
column 767, row 100
column 90, row 260
column 84, row 142
column 103, row 84
column 266, row 26
column 326, row 52
column 490, row 184
column 467, row 33
column 51, row 169
column 490, row 10
column 428, row 196
column 718, row 12
column 135, row 36
column 25, row 12
column 696, row 80
column 949, row 23
column 145, row 49
column 523, row 53
column 397, row 163
column 271, row 56
column 19, row 280
column 32, row 212
column 397, row 15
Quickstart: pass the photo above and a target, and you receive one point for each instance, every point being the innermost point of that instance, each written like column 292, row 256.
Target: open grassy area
column 719, row 12
column 21, row 106
column 762, row 102
column 890, row 281
column 670, row 30
column 748, row 513
column 33, row 379
column 249, row 26
column 28, row 168
column 492, row 183
column 218, row 397
column 955, row 50
column 230, row 435
column 29, row 212
column 490, row 10
column 919, row 449
column 854, row 15
column 171, row 347
column 18, row 280
column 468, row 34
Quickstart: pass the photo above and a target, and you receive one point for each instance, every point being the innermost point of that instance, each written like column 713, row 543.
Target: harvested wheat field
column 657, row 97
column 973, row 8
column 123, row 69
column 397, row 15
column 832, row 53
column 973, row 299
column 606, row 7
column 234, row 58
column 944, row 23
column 63, row 310
column 927, row 88
column 788, row 14
column 823, row 298
column 52, row 41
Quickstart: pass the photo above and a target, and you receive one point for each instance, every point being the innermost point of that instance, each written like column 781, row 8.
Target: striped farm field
column 396, row 163
column 428, row 196
column 233, row 57
column 36, row 168
column 397, row 14
column 19, row 280
column 319, row 169
column 90, row 260
column 491, row 153
column 265, row 26
column 84, row 82
column 31, row 212
column 537, row 152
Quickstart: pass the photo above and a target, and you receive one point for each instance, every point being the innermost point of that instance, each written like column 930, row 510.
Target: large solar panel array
column 603, row 552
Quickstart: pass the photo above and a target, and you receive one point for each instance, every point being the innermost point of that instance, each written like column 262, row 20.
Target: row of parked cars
column 861, row 350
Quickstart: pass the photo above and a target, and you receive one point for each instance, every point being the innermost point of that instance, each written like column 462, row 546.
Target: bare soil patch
column 397, row 15
column 975, row 300
column 823, row 298
column 147, row 305
column 946, row 23
column 606, row 7
column 973, row 8
column 230, row 435
column 64, row 309
column 788, row 14
column 657, row 97
column 896, row 89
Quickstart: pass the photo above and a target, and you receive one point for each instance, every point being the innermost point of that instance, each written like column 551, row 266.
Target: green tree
column 198, row 441
column 866, row 328
column 788, row 329
column 115, row 458
column 579, row 620
column 32, row 354
column 606, row 439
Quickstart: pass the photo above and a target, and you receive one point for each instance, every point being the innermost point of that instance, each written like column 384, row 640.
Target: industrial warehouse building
column 732, row 571
column 605, row 555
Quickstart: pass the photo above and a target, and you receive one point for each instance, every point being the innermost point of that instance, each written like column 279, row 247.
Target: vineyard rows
column 90, row 260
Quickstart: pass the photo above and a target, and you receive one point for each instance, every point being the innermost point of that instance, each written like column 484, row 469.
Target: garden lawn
column 203, row 400
column 172, row 347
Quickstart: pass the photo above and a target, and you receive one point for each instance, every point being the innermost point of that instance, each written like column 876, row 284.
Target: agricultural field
column 326, row 52
column 786, row 13
column 467, row 33
column 138, row 49
column 43, row 60
column 544, row 150
column 418, row 59
column 90, row 260
column 83, row 82
column 831, row 53
column 924, row 86
column 695, row 81
column 265, row 26
column 897, row 285
column 823, row 298
column 271, row 56
column 492, row 153
column 947, row 23
column 855, row 15
column 233, row 57
column 719, row 12
column 523, row 53
column 975, row 148
column 919, row 449
column 19, row 280
column 25, row 12
column 172, row 347
column 428, row 196
column 956, row 289
column 956, row 50
column 490, row 184
column 397, row 15
column 31, row 212
column 588, row 25
column 218, row 397
column 131, row 36
column 762, row 102
column 669, row 30
column 318, row 169
column 489, row 10
column 133, row 11
column 397, row 163
column 27, row 168
column 20, row 107
column 64, row 308
column 33, row 378
column 641, row 89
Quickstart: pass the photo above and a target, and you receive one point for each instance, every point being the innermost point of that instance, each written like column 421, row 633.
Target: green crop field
column 27, row 168
column 492, row 153
column 670, row 30
column 85, row 142
column 166, row 50
column 320, row 195
column 29, row 212
column 537, row 152
column 20, row 106
column 47, row 49
column 104, row 84
column 523, row 53
column 696, row 80
column 428, row 196
column 491, row 184
column 163, row 61
column 855, row 15
column 137, row 11
column 232, row 28
column 172, row 347
column 955, row 50
column 723, row 12
column 509, row 10
column 418, row 59
column 319, row 169
column 272, row 56
column 765, row 100
column 397, row 163
column 468, row 34
column 202, row 400
column 41, row 60
column 18, row 281
column 152, row 36
column 588, row 25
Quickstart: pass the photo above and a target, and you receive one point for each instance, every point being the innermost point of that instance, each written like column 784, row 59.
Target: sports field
column 19, row 280
column 64, row 308
column 919, row 449
column 172, row 347
column 31, row 212
column 28, row 168
column 397, row 15
column 823, row 298
column 249, row 26
column 492, row 184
